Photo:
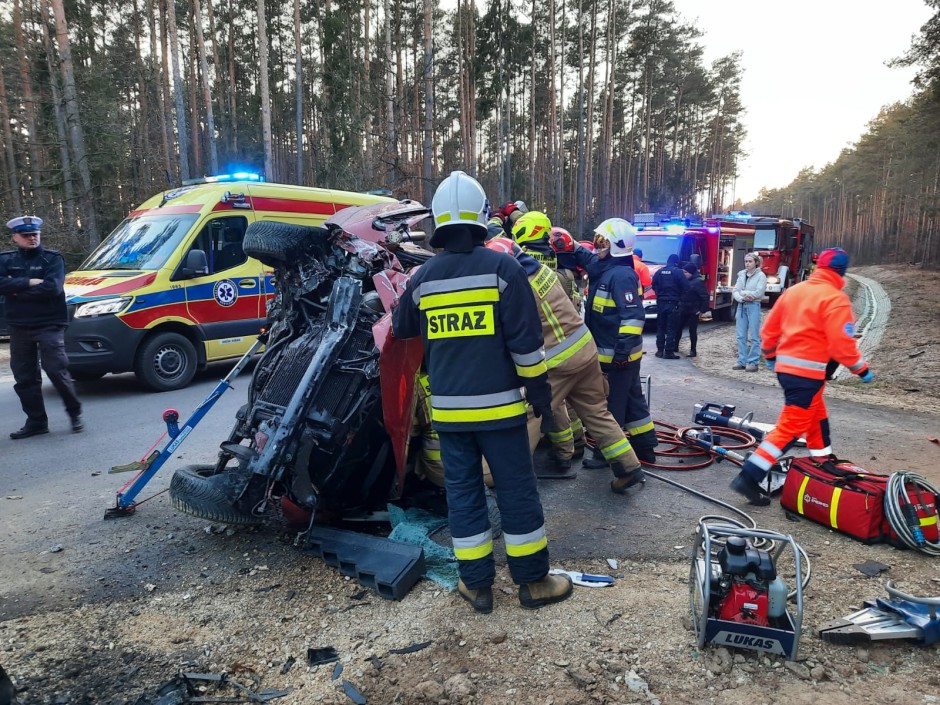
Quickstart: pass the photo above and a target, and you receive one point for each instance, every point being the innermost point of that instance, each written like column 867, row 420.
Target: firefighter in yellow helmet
column 532, row 232
column 479, row 322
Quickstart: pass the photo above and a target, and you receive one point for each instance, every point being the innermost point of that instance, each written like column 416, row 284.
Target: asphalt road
column 54, row 489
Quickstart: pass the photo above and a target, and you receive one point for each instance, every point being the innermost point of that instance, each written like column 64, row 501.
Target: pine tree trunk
column 391, row 137
column 579, row 185
column 265, row 93
column 217, row 68
column 37, row 199
column 206, row 89
column 166, row 119
column 90, row 220
column 68, row 186
column 143, row 102
column 368, row 167
column 233, row 114
column 193, row 84
column 182, row 135
column 160, row 89
column 11, row 174
column 299, row 90
column 428, row 101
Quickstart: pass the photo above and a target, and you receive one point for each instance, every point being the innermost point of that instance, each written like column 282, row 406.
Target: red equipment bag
column 850, row 499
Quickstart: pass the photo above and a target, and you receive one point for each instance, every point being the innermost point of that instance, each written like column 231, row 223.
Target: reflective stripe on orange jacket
column 811, row 324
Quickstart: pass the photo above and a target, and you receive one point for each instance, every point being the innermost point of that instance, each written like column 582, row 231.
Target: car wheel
column 198, row 491
column 275, row 244
column 165, row 362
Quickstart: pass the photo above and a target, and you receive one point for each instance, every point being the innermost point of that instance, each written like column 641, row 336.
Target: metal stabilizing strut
column 125, row 505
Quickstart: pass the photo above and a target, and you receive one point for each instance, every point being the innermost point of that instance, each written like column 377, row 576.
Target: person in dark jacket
column 670, row 284
column 32, row 280
column 477, row 316
column 694, row 302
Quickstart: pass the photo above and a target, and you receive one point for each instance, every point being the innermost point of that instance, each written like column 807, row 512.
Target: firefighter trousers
column 570, row 430
column 804, row 412
column 627, row 405
column 507, row 452
column 583, row 388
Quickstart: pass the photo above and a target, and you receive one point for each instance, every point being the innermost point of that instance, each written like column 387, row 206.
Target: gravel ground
column 256, row 617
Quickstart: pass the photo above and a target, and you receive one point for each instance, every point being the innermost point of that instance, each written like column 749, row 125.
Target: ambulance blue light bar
column 223, row 178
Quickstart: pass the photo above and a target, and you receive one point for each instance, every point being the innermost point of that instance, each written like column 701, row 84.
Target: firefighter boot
column 625, row 477
column 595, row 461
column 744, row 485
column 481, row 599
column 547, row 591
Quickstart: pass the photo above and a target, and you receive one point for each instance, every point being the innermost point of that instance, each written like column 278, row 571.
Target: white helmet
column 615, row 235
column 460, row 200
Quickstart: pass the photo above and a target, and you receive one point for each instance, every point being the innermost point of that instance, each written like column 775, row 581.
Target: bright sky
column 814, row 74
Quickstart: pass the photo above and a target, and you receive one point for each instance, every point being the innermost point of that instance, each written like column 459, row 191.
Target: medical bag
column 851, row 500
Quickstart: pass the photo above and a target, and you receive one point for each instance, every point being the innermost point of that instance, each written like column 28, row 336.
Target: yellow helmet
column 533, row 226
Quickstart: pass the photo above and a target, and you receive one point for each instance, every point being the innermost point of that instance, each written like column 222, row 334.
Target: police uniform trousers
column 804, row 412
column 627, row 405
column 668, row 321
column 30, row 348
column 507, row 452
column 583, row 388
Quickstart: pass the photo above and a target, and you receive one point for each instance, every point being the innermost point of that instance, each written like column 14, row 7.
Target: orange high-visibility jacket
column 810, row 325
column 643, row 272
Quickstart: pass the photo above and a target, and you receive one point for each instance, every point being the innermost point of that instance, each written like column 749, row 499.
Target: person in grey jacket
column 748, row 292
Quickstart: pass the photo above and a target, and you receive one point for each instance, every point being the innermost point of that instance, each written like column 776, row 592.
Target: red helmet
column 503, row 245
column 587, row 244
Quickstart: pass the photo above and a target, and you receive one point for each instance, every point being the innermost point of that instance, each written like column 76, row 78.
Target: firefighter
column 532, row 232
column 614, row 315
column 574, row 372
column 670, row 284
column 807, row 335
column 476, row 314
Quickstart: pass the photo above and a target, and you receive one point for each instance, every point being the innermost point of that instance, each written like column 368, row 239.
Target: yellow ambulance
column 171, row 289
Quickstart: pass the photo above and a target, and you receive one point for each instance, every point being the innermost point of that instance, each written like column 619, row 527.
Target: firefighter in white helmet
column 614, row 315
column 477, row 316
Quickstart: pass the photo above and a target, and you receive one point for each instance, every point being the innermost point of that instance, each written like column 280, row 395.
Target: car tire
column 197, row 491
column 165, row 362
column 276, row 244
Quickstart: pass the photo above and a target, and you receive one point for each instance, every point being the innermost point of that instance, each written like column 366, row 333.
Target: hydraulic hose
column 901, row 511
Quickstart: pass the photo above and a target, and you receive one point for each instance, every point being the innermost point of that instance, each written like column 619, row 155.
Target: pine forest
column 582, row 108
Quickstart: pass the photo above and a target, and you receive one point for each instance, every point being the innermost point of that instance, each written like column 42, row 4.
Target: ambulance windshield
column 141, row 242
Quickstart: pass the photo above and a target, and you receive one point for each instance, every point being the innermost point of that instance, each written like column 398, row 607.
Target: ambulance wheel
column 196, row 490
column 275, row 244
column 165, row 362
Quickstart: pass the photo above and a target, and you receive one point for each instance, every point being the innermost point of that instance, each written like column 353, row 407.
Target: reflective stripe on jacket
column 565, row 334
column 811, row 324
column 482, row 338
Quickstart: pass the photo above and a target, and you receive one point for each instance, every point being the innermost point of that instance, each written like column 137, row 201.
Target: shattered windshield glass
column 141, row 242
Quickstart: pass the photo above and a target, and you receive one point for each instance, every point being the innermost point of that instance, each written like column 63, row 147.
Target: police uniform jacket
column 482, row 339
column 811, row 324
column 33, row 306
column 669, row 283
column 614, row 311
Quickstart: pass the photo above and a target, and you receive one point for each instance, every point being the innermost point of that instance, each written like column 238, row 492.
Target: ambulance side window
column 221, row 239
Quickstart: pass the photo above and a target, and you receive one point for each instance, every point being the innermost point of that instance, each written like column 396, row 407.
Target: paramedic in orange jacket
column 808, row 330
column 642, row 271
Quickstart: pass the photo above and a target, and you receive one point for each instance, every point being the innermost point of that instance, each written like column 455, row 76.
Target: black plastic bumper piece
column 391, row 568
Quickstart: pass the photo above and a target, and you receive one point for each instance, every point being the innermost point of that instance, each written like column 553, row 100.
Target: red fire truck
column 718, row 246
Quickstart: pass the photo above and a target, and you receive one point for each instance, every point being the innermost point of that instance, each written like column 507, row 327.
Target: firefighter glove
column 548, row 418
column 770, row 362
column 867, row 377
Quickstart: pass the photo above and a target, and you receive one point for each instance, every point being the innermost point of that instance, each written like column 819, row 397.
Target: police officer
column 31, row 279
column 614, row 315
column 476, row 314
column 670, row 284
